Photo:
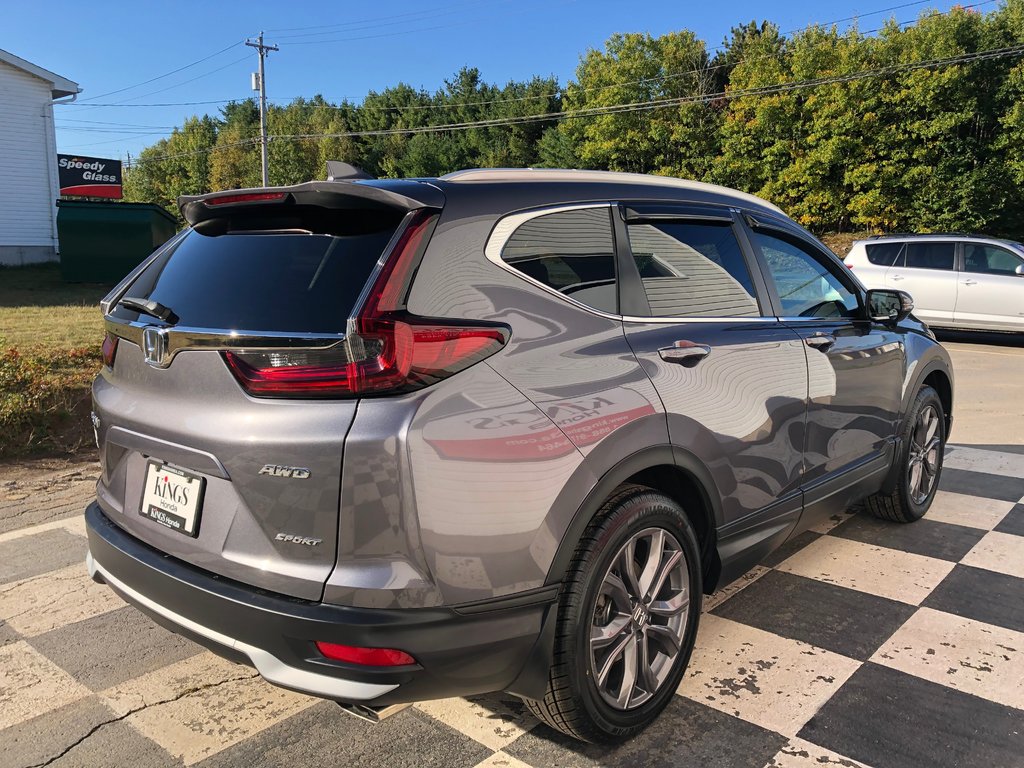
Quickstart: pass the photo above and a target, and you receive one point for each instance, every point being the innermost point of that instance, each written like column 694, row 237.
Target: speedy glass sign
column 89, row 176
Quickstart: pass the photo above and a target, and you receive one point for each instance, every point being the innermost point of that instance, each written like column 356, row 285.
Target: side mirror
column 1020, row 270
column 887, row 306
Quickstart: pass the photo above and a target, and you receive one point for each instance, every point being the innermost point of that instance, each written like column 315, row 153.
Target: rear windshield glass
column 289, row 282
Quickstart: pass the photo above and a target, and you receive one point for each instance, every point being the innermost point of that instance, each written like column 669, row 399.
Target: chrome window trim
column 506, row 227
column 181, row 338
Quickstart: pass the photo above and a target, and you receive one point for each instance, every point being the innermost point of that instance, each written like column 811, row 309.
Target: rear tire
column 624, row 634
column 920, row 462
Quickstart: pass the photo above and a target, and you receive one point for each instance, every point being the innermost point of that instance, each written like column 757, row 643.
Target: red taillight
column 386, row 348
column 369, row 657
column 247, row 197
column 109, row 350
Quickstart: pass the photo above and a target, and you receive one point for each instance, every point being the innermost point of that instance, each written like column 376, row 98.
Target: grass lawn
column 50, row 337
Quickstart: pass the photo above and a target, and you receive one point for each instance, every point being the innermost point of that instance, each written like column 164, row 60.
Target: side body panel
column 447, row 494
column 584, row 403
column 934, row 291
column 990, row 302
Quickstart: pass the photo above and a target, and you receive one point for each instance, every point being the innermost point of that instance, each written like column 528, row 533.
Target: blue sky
column 342, row 49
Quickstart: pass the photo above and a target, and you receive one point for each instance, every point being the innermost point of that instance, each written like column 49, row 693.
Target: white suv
column 957, row 281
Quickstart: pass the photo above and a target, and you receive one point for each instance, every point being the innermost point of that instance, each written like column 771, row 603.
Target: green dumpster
column 101, row 242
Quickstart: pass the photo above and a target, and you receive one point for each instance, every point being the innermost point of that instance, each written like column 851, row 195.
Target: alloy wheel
column 640, row 618
column 925, row 455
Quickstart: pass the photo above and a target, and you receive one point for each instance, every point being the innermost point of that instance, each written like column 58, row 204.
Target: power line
column 162, row 104
column 424, row 16
column 70, row 122
column 417, row 30
column 642, row 106
column 165, row 74
column 527, row 98
column 640, row 81
column 360, row 22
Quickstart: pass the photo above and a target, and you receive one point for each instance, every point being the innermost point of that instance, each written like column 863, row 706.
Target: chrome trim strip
column 180, row 338
column 504, row 229
column 269, row 666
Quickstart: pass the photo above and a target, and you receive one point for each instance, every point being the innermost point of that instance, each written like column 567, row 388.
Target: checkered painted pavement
column 860, row 643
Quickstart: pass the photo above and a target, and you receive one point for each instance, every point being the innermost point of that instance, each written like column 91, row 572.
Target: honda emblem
column 154, row 346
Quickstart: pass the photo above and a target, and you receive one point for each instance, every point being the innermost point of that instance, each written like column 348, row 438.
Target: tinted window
column 692, row 270
column 262, row 282
column 883, row 254
column 991, row 260
column 926, row 255
column 572, row 252
column 806, row 286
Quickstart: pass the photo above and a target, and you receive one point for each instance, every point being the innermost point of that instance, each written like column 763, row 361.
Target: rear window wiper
column 151, row 308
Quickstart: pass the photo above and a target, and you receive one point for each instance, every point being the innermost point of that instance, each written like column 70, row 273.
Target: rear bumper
column 475, row 649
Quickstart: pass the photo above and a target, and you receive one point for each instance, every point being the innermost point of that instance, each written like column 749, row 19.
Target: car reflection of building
column 501, row 434
column 681, row 281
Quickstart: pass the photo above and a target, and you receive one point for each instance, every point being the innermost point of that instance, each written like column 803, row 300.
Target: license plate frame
column 179, row 506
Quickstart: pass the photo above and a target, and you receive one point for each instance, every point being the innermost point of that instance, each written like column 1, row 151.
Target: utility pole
column 262, row 50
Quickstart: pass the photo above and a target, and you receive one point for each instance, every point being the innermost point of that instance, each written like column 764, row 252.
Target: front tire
column 920, row 462
column 627, row 621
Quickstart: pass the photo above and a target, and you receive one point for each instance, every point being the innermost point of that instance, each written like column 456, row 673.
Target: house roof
column 59, row 86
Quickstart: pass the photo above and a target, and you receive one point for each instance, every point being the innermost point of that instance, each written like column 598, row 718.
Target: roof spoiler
column 375, row 194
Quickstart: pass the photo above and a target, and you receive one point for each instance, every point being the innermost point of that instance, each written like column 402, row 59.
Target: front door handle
column 821, row 341
column 685, row 353
column 970, row 282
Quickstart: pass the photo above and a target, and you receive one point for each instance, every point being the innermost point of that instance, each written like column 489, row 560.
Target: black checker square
column 889, row 719
column 828, row 616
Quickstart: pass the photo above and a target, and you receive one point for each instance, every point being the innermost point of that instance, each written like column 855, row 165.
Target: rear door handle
column 970, row 282
column 685, row 353
column 821, row 341
column 897, row 277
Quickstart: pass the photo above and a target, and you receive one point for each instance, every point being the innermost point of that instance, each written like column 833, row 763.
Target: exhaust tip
column 370, row 713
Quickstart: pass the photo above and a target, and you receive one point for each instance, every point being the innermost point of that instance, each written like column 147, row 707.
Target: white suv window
column 990, row 260
column 930, row 254
column 883, row 254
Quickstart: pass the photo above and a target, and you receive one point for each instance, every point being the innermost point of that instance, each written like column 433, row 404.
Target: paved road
column 989, row 407
column 859, row 643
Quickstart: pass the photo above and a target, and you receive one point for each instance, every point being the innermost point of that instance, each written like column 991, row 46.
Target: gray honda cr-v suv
column 397, row 440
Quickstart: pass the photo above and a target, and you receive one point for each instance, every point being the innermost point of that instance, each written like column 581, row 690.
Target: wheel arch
column 671, row 470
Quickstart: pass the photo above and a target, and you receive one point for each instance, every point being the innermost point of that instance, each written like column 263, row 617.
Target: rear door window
column 288, row 281
column 571, row 252
column 930, row 255
column 692, row 269
column 883, row 254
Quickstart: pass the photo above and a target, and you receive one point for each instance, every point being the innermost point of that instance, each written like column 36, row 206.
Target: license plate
column 172, row 497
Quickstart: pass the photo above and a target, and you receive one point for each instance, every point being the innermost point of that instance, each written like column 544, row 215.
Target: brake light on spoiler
column 386, row 349
column 247, row 197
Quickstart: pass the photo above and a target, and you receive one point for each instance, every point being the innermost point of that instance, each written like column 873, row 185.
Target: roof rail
column 924, row 234
column 608, row 177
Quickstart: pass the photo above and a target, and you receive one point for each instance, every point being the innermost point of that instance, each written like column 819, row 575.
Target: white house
column 28, row 160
